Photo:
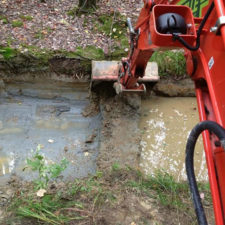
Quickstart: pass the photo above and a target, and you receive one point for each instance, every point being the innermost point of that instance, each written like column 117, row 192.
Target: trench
column 50, row 114
column 165, row 124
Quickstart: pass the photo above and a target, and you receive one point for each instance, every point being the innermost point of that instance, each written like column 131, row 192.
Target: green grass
column 170, row 63
column 80, row 200
column 48, row 209
column 17, row 23
column 7, row 52
column 4, row 19
column 168, row 191
column 26, row 17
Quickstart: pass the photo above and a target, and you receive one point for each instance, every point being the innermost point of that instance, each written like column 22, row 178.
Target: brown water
column 166, row 124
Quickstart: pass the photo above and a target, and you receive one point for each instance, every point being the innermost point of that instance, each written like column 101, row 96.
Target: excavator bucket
column 108, row 71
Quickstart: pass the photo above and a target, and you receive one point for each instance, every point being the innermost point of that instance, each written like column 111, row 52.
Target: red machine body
column 206, row 66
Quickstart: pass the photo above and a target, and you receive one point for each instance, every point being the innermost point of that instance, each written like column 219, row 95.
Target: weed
column 39, row 35
column 115, row 166
column 7, row 52
column 4, row 19
column 168, row 191
column 90, row 52
column 46, row 209
column 45, row 172
column 17, row 23
column 86, row 199
column 113, row 27
column 26, row 17
column 170, row 63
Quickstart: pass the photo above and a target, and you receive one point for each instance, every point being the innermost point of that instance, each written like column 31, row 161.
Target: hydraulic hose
column 201, row 26
column 192, row 139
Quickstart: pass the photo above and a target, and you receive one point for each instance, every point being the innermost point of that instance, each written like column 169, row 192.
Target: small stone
column 66, row 149
column 90, row 139
column 50, row 141
column 4, row 196
column 108, row 108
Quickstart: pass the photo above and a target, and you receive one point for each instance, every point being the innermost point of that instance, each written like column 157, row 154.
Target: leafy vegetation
column 113, row 26
column 17, row 23
column 26, row 17
column 83, row 199
column 170, row 63
column 7, row 52
column 46, row 172
column 90, row 52
column 4, row 19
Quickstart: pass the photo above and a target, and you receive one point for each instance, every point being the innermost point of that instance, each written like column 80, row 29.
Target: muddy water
column 165, row 124
column 47, row 114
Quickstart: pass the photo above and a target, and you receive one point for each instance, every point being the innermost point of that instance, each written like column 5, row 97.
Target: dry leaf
column 41, row 192
column 50, row 141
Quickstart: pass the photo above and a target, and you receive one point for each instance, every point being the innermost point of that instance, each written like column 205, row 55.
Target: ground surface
column 119, row 196
column 48, row 25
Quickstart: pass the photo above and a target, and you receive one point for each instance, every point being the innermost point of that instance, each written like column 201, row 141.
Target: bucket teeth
column 120, row 89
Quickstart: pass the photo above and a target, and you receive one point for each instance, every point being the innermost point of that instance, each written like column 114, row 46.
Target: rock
column 174, row 88
column 107, row 108
column 4, row 196
column 134, row 101
column 66, row 149
column 145, row 205
column 91, row 138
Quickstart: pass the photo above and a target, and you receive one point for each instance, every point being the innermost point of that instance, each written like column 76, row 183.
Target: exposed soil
column 117, row 202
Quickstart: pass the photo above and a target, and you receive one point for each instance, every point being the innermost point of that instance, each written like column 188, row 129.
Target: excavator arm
column 200, row 31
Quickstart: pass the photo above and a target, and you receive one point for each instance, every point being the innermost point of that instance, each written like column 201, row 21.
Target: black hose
column 192, row 139
column 201, row 26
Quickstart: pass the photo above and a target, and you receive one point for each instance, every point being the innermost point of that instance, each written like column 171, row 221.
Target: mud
column 166, row 124
column 94, row 131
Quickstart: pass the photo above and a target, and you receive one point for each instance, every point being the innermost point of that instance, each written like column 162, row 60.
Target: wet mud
column 93, row 130
column 165, row 124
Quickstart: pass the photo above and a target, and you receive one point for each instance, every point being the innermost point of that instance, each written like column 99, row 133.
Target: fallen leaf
column 41, row 192
column 50, row 141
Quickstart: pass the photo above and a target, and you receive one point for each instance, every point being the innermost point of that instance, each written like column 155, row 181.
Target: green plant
column 116, row 166
column 17, row 23
column 48, row 209
column 39, row 35
column 46, row 172
column 113, row 25
column 26, row 17
column 7, row 52
column 4, row 19
column 170, row 63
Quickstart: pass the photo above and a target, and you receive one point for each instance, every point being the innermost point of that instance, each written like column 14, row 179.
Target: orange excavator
column 197, row 26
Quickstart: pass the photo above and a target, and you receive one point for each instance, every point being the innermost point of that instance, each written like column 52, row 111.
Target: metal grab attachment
column 216, row 29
